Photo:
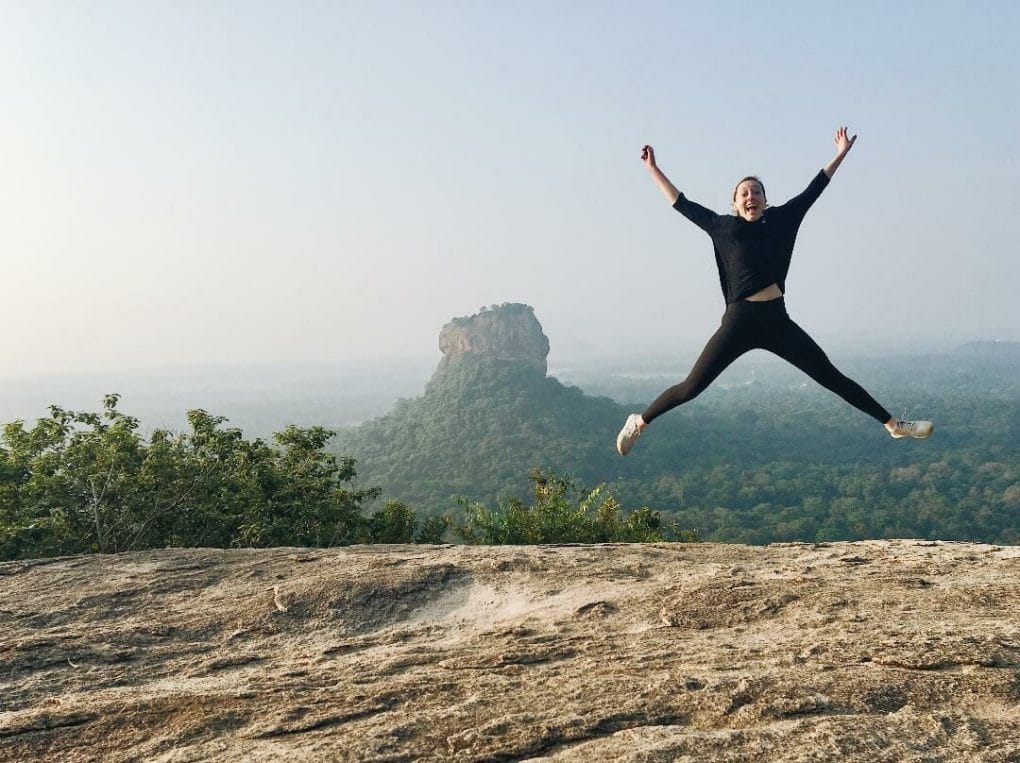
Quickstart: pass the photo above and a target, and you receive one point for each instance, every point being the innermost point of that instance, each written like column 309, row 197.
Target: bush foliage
column 564, row 512
column 90, row 482
column 79, row 482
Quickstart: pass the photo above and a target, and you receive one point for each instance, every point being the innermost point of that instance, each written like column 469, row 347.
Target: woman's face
column 749, row 200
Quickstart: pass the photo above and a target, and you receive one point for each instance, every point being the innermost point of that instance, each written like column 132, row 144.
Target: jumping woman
column 752, row 252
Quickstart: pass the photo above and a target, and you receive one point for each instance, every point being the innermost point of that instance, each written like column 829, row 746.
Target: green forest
column 786, row 461
column 493, row 453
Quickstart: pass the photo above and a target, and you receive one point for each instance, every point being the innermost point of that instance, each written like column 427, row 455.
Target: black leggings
column 763, row 325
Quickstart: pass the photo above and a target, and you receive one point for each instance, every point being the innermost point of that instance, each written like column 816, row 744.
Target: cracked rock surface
column 871, row 651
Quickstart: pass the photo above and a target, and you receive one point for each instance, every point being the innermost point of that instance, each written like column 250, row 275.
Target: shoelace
column 906, row 426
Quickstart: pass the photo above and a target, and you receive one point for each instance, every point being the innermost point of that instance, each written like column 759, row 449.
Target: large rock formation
column 851, row 652
column 508, row 332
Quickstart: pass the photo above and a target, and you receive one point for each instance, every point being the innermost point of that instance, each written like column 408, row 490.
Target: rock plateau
column 870, row 652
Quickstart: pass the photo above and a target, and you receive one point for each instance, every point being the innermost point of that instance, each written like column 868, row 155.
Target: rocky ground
column 875, row 651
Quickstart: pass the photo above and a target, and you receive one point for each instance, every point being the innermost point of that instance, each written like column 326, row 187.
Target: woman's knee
column 687, row 390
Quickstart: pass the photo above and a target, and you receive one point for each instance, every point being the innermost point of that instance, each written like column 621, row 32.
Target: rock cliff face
column 508, row 332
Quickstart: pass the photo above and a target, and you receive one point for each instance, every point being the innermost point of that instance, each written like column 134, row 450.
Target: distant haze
column 257, row 183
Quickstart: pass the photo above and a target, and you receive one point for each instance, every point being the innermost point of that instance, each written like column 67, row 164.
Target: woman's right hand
column 668, row 189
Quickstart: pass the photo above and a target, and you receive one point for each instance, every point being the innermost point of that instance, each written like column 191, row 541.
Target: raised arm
column 843, row 145
column 668, row 189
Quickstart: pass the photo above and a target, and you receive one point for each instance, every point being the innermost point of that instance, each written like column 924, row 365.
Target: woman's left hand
column 844, row 141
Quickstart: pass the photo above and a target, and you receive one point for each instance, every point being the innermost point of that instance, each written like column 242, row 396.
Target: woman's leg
column 790, row 342
column 732, row 339
column 729, row 342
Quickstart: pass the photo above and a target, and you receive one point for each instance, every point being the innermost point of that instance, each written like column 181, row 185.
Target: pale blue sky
column 246, row 182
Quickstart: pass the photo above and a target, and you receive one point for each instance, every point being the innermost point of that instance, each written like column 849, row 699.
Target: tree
column 81, row 481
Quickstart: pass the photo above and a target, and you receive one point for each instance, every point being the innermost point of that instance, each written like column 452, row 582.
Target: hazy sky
column 243, row 182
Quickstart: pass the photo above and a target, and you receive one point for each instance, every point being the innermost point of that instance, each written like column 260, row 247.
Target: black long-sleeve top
column 752, row 255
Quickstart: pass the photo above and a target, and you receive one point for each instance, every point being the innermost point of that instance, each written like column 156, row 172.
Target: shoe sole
column 619, row 445
column 620, row 437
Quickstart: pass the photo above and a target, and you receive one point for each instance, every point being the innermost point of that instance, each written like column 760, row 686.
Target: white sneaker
column 918, row 429
column 630, row 432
